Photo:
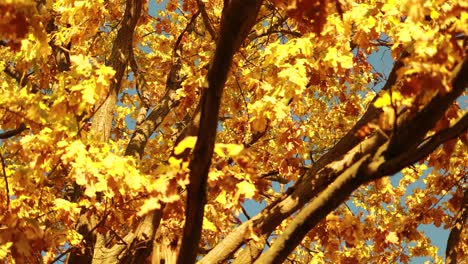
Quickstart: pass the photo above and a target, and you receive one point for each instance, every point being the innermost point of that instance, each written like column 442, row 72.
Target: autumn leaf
column 246, row 188
column 208, row 225
column 149, row 205
column 388, row 99
column 392, row 237
column 186, row 143
column 228, row 149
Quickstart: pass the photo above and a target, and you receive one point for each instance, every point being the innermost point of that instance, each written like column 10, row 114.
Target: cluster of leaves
column 299, row 83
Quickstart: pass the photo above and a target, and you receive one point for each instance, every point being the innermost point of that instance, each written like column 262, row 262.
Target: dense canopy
column 248, row 131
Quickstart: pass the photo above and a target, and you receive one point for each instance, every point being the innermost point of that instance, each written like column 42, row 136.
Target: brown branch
column 381, row 42
column 351, row 138
column 143, row 131
column 13, row 132
column 330, row 198
column 238, row 19
column 206, row 19
column 453, row 241
column 302, row 191
column 7, row 195
column 142, row 242
column 118, row 60
column 102, row 120
column 379, row 169
column 276, row 31
column 413, row 130
column 20, row 77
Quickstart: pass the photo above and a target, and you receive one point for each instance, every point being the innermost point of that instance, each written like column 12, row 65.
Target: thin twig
column 13, row 132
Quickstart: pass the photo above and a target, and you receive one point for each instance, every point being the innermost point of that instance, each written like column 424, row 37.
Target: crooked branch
column 451, row 252
column 238, row 19
column 13, row 132
column 7, row 188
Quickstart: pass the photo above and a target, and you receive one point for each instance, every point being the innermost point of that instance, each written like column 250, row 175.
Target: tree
column 132, row 138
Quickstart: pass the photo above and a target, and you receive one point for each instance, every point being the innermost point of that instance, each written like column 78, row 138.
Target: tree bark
column 118, row 60
column 239, row 17
column 451, row 252
column 101, row 127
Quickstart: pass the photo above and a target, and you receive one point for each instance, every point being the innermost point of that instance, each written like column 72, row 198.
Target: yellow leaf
column 246, row 188
column 74, row 238
column 382, row 101
column 62, row 204
column 228, row 149
column 234, row 149
column 186, row 143
column 221, row 198
column 105, row 73
column 101, row 186
column 83, row 66
column 134, row 182
column 295, row 74
column 331, row 56
column 174, row 162
column 392, row 237
column 386, row 99
column 80, row 177
column 149, row 205
column 346, row 61
column 258, row 124
column 5, row 249
column 219, row 151
column 207, row 225
column 90, row 191
column 404, row 36
column 214, row 175
column 371, row 21
column 435, row 15
column 62, row 143
column 88, row 94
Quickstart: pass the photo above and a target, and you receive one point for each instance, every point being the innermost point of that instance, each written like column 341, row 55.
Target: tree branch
column 379, row 169
column 206, row 19
column 118, row 60
column 354, row 176
column 13, row 132
column 239, row 18
column 21, row 78
column 413, row 130
column 330, row 198
column 315, row 179
column 7, row 194
column 143, row 131
column 453, row 241
column 102, row 120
